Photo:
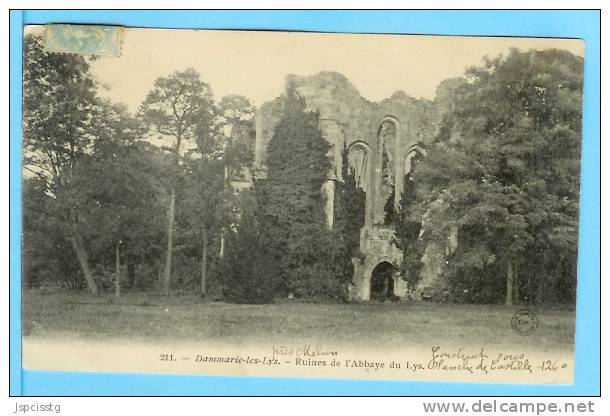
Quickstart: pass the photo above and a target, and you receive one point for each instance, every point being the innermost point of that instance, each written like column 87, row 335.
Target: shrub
column 248, row 271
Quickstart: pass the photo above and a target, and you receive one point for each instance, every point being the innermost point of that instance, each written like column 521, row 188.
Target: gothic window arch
column 387, row 138
column 358, row 156
column 414, row 155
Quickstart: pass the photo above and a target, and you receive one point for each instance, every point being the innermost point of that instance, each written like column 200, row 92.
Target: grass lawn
column 149, row 317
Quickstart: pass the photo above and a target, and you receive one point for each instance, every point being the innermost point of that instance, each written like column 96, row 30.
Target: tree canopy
column 504, row 171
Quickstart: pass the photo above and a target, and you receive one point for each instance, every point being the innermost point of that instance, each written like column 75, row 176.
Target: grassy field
column 77, row 315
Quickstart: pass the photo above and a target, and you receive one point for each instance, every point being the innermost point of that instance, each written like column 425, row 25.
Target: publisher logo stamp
column 524, row 322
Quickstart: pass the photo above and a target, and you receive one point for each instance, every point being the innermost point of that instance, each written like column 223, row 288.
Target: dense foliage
column 248, row 270
column 149, row 201
column 292, row 203
column 349, row 214
column 504, row 172
column 408, row 226
column 96, row 189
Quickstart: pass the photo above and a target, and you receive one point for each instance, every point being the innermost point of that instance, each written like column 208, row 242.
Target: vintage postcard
column 291, row 204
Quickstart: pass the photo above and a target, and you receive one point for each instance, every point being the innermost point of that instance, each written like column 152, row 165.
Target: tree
column 176, row 106
column 204, row 204
column 47, row 255
column 119, row 186
column 390, row 209
column 349, row 219
column 408, row 225
column 292, row 202
column 143, row 222
column 248, row 269
column 504, row 171
column 59, row 101
column 237, row 118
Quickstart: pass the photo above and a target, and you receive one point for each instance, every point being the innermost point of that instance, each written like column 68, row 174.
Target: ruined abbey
column 381, row 139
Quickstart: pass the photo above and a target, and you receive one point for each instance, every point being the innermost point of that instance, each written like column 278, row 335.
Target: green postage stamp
column 83, row 39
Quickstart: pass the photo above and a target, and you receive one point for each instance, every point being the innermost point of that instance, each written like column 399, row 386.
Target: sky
column 255, row 64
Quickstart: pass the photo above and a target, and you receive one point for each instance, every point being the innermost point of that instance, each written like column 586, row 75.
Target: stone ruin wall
column 347, row 118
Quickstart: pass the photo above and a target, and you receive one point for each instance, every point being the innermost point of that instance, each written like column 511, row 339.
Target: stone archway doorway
column 382, row 282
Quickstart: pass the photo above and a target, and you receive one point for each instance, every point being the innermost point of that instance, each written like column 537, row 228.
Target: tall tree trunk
column 204, row 262
column 83, row 260
column 131, row 275
column 225, row 188
column 160, row 268
column 170, row 242
column 540, row 290
column 117, row 271
column 516, row 291
column 510, row 281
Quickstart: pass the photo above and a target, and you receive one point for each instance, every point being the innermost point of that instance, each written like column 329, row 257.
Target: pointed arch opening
column 382, row 282
column 387, row 158
column 359, row 162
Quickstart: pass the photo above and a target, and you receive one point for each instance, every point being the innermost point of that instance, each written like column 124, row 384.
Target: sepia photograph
column 300, row 204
